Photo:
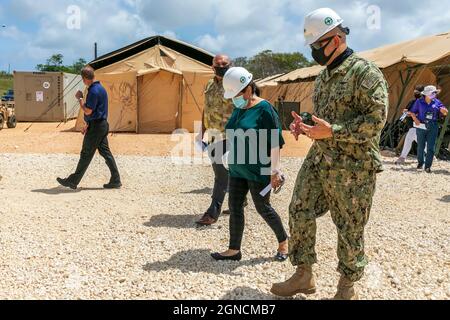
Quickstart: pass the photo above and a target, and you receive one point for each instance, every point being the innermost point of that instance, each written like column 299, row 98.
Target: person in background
column 95, row 132
column 425, row 113
column 411, row 136
column 216, row 114
column 255, row 136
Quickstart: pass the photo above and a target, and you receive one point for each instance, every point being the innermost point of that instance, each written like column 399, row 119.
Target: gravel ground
column 141, row 243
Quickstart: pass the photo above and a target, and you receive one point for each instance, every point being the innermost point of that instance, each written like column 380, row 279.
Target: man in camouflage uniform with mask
column 215, row 116
column 339, row 173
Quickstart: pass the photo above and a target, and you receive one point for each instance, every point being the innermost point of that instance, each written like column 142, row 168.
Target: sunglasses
column 317, row 45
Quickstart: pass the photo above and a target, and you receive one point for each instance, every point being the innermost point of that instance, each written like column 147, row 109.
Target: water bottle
column 403, row 117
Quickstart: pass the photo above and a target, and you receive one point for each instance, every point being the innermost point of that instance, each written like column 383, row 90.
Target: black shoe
column 206, row 221
column 281, row 257
column 115, row 185
column 428, row 170
column 419, row 166
column 218, row 257
column 66, row 183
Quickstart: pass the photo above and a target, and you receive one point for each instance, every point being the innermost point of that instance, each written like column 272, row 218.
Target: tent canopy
column 186, row 49
column 154, row 86
column 425, row 50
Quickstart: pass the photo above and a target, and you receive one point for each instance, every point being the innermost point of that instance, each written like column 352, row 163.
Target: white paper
column 266, row 191
column 225, row 160
column 422, row 126
column 39, row 96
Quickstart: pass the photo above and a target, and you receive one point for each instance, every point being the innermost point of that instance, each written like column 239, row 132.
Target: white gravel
column 141, row 243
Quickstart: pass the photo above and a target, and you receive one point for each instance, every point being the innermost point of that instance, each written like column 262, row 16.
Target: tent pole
column 409, row 76
column 441, row 136
column 137, row 103
column 180, row 105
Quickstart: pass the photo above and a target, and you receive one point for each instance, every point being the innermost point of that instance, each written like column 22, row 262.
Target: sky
column 34, row 30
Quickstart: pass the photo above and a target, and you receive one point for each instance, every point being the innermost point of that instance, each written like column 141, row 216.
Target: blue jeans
column 427, row 137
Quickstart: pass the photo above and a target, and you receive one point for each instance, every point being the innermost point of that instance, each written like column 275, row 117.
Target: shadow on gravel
column 406, row 169
column 443, row 172
column 207, row 191
column 445, row 199
column 61, row 190
column 414, row 169
column 246, row 293
column 200, row 261
column 172, row 221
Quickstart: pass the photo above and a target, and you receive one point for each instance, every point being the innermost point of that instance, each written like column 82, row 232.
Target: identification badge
column 429, row 115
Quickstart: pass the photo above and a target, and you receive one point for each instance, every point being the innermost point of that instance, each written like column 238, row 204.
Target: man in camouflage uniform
column 216, row 114
column 339, row 173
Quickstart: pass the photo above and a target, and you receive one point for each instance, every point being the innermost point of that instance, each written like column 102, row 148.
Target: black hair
column 418, row 91
column 255, row 89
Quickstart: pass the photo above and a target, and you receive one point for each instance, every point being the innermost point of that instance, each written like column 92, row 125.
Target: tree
column 78, row 65
column 268, row 63
column 56, row 64
column 55, row 60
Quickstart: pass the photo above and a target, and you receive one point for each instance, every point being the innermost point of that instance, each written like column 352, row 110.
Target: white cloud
column 170, row 14
column 246, row 27
column 214, row 44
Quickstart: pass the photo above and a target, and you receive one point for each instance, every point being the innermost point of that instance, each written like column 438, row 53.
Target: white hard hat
column 320, row 22
column 429, row 90
column 235, row 80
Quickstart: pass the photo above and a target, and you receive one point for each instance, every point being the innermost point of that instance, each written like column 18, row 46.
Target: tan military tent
column 406, row 64
column 154, row 86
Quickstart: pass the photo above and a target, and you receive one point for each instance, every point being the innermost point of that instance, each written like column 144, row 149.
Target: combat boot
column 346, row 290
column 303, row 281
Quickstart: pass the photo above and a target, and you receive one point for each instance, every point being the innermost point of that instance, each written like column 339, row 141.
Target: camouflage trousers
column 348, row 196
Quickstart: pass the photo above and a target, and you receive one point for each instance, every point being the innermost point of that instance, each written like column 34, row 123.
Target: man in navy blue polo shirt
column 95, row 132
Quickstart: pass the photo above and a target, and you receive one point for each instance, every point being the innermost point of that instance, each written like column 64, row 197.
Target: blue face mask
column 240, row 102
column 433, row 96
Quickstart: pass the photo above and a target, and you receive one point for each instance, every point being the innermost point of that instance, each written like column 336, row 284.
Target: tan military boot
column 346, row 290
column 303, row 281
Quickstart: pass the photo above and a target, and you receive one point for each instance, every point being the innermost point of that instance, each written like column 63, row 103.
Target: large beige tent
column 154, row 86
column 421, row 61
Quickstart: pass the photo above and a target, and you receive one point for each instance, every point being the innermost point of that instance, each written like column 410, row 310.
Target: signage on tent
column 39, row 96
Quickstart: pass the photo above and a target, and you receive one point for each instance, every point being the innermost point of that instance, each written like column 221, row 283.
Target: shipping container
column 46, row 96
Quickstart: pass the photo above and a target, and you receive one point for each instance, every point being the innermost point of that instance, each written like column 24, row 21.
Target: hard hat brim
column 230, row 94
column 308, row 43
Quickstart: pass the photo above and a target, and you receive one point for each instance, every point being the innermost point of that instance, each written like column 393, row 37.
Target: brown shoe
column 303, row 281
column 346, row 290
column 206, row 220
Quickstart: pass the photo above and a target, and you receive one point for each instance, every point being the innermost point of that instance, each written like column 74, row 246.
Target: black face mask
column 220, row 71
column 319, row 54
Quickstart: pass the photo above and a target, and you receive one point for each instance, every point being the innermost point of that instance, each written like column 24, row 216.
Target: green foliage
column 268, row 63
column 56, row 64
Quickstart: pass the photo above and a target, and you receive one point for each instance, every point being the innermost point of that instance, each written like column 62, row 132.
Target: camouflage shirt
column 218, row 110
column 353, row 98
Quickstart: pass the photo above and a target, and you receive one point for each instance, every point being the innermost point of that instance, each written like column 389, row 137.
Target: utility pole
column 95, row 51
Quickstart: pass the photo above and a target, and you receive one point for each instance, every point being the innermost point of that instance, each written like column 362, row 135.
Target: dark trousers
column 216, row 152
column 96, row 138
column 238, row 191
column 427, row 137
